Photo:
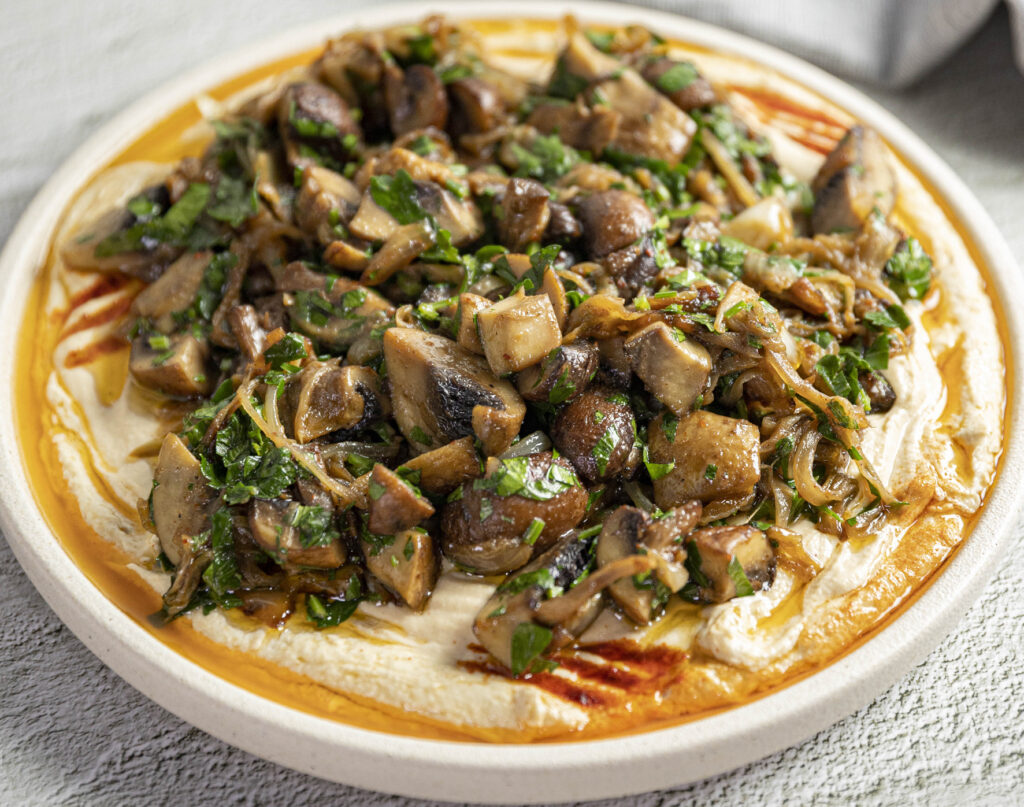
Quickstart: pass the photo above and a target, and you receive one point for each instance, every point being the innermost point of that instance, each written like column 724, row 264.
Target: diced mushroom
column 524, row 214
column 548, row 603
column 878, row 389
column 577, row 125
column 518, row 331
column 521, row 505
column 176, row 365
column 680, row 81
column 714, row 457
column 674, row 369
column 326, row 398
column 553, row 287
column 855, row 179
column 174, row 291
column 597, row 432
column 324, row 203
column 415, row 99
column 475, row 107
column 406, row 563
column 394, row 505
column 314, row 120
column 181, row 501
column 564, row 374
column 280, row 530
column 651, row 125
column 612, row 220
column 441, row 392
column 763, row 225
column 468, row 336
column 730, row 562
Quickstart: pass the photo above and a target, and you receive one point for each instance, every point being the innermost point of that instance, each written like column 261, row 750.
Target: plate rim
column 440, row 769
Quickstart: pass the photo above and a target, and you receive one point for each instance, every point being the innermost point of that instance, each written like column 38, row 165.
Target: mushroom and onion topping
column 584, row 334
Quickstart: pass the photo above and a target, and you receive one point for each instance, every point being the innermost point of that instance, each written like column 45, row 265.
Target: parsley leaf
column 678, row 77
column 909, row 271
column 529, row 640
column 314, row 524
column 397, row 195
column 546, row 158
column 222, row 576
column 604, row 448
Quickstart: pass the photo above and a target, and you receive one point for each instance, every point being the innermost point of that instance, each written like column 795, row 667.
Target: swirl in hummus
column 530, row 394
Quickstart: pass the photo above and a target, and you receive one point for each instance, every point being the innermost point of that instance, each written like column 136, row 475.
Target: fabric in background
column 887, row 42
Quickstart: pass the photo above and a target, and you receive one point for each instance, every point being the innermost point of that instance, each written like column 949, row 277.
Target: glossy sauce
column 611, row 674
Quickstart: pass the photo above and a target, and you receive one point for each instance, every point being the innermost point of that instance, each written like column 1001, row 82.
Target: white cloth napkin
column 890, row 42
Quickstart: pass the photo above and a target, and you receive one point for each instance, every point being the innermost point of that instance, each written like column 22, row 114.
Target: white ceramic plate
column 455, row 771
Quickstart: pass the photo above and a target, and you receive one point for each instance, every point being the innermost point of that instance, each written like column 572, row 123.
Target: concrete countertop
column 72, row 733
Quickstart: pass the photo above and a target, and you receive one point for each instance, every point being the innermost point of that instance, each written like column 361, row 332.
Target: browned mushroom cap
column 878, row 389
column 680, row 81
column 176, row 365
column 174, row 291
column 393, row 503
column 674, row 369
column 475, row 106
column 181, row 501
column 596, row 431
column 563, row 374
column 632, row 267
column 854, row 180
column 714, row 456
column 563, row 226
column 325, row 202
column 406, row 563
column 415, row 99
column 524, row 214
column 315, row 116
column 326, row 398
column 519, row 505
column 548, row 603
column 290, row 536
column 730, row 562
column 441, row 392
column 612, row 220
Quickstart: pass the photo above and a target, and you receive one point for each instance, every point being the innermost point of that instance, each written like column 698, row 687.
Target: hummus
column 937, row 447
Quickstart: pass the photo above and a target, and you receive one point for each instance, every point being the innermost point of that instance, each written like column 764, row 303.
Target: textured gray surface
column 72, row 733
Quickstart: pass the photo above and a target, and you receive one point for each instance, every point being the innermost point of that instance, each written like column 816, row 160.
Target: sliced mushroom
column 441, row 392
column 181, row 501
column 393, row 504
column 519, row 506
column 778, row 275
column 177, row 365
column 475, row 107
column 612, row 220
column 467, row 335
column 674, row 369
column 730, row 562
column 406, row 563
column 554, row 288
column 855, row 179
column 324, row 203
column 548, row 603
column 402, row 247
column 597, row 432
column 518, row 331
column 245, row 326
column 415, row 99
column 326, row 398
column 714, row 456
column 680, row 81
column 564, row 374
column 460, row 217
column 335, row 318
column 577, row 125
column 188, row 574
column 315, row 123
column 174, row 291
column 524, row 214
column 278, row 527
